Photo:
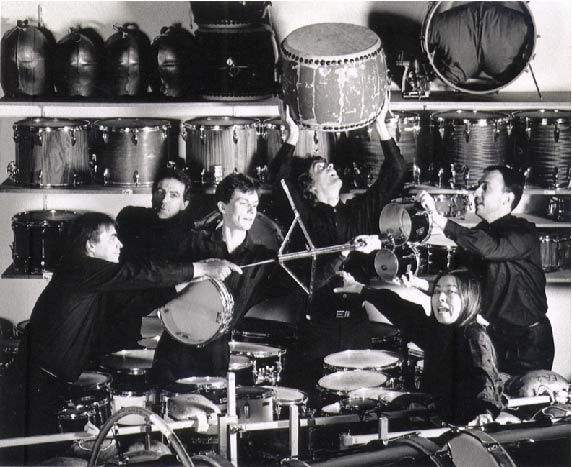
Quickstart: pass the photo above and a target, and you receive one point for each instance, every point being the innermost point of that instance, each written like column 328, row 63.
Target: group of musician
column 486, row 320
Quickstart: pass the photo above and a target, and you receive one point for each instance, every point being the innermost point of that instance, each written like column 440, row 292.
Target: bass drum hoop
column 425, row 48
column 488, row 444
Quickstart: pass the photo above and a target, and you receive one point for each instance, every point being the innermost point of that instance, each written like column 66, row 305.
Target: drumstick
column 308, row 254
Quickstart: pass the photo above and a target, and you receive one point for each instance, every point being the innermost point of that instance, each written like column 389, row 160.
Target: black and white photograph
column 290, row 233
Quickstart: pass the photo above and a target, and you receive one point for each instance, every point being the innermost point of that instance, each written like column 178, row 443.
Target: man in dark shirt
column 237, row 201
column 507, row 253
column 332, row 323
column 68, row 316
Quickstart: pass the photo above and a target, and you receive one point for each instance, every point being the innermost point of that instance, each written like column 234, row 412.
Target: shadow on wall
column 400, row 37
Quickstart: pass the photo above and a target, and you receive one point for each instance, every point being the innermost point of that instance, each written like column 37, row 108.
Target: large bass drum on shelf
column 37, row 239
column 542, row 140
column 334, row 76
column 461, row 40
column 470, row 140
column 237, row 64
column 220, row 146
column 50, row 152
column 131, row 151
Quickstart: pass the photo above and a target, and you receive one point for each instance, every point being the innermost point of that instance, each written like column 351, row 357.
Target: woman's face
column 446, row 301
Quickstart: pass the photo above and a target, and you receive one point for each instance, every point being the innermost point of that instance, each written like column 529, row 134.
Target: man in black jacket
column 506, row 251
column 332, row 323
column 69, row 315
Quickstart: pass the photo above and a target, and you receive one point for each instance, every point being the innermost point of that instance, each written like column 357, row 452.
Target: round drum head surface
column 88, row 379
column 44, row 216
column 343, row 382
column 466, row 449
column 287, row 396
column 361, row 359
column 206, row 382
column 460, row 116
column 43, row 122
column 239, row 362
column 126, row 123
column 331, row 40
column 254, row 350
column 253, row 392
column 129, row 359
column 219, row 122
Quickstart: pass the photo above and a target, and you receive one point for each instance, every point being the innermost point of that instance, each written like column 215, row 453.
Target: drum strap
column 429, row 448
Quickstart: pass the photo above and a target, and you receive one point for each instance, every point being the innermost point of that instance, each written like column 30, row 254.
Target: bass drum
column 470, row 140
column 50, row 153
column 461, row 40
column 131, row 150
column 474, row 447
column 542, row 140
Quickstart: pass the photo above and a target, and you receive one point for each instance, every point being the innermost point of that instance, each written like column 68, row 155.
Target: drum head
column 459, row 117
column 202, row 382
column 92, row 379
column 287, row 396
column 361, row 359
column 253, row 392
column 220, row 123
column 343, row 382
column 151, row 326
column 127, row 123
column 462, row 40
column 254, row 350
column 266, row 232
column 134, row 359
column 330, row 41
column 478, row 449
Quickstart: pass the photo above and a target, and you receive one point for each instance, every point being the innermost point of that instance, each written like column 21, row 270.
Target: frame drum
column 334, row 76
column 50, row 153
column 461, row 40
column 472, row 140
column 201, row 313
column 37, row 237
column 226, row 144
column 132, row 150
column 542, row 139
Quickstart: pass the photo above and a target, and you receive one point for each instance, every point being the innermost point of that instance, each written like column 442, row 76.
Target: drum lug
column 136, row 177
column 528, row 132
column 37, row 138
column 397, row 132
column 202, row 135
column 16, row 134
column 283, row 134
column 73, row 137
column 74, row 178
column 40, row 176
column 235, row 135
column 556, row 132
column 106, row 176
column 105, row 136
column 316, row 140
column 12, row 171
column 442, row 131
column 183, row 133
column 164, row 132
column 134, row 139
column 468, row 131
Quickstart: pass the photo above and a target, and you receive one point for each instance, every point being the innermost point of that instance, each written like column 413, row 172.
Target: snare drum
column 243, row 368
column 201, row 313
column 73, row 419
column 37, row 237
column 372, row 360
column 226, row 143
column 390, row 264
column 435, row 259
column 474, row 140
column 284, row 398
column 254, row 404
column 237, row 64
column 131, row 151
column 336, row 386
column 475, row 447
column 268, row 361
column 542, row 140
column 50, row 153
column 91, row 384
column 130, row 369
column 310, row 143
column 139, row 398
column 402, row 221
column 452, row 205
column 334, row 76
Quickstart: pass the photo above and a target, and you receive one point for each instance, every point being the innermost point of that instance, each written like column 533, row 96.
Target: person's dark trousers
column 521, row 349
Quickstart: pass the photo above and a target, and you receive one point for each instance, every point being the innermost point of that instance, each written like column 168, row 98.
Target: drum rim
column 486, row 441
column 107, row 380
column 15, row 217
column 238, row 28
column 345, row 373
column 260, row 392
column 212, row 382
column 425, row 48
column 77, row 123
column 443, row 116
column 302, row 57
column 343, row 353
column 538, row 115
column 260, row 353
column 163, row 125
column 201, row 123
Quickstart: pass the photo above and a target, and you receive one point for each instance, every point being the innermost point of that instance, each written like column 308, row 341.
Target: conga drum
column 334, row 76
column 542, row 141
column 50, row 152
column 462, row 42
column 470, row 140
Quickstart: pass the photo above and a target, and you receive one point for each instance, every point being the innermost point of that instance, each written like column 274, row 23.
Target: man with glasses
column 506, row 251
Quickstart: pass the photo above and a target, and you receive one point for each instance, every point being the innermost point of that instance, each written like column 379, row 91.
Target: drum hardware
column 266, row 361
column 416, row 174
column 416, row 79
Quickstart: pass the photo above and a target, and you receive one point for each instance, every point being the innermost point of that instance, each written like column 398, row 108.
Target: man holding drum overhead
column 332, row 322
column 506, row 250
column 67, row 319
